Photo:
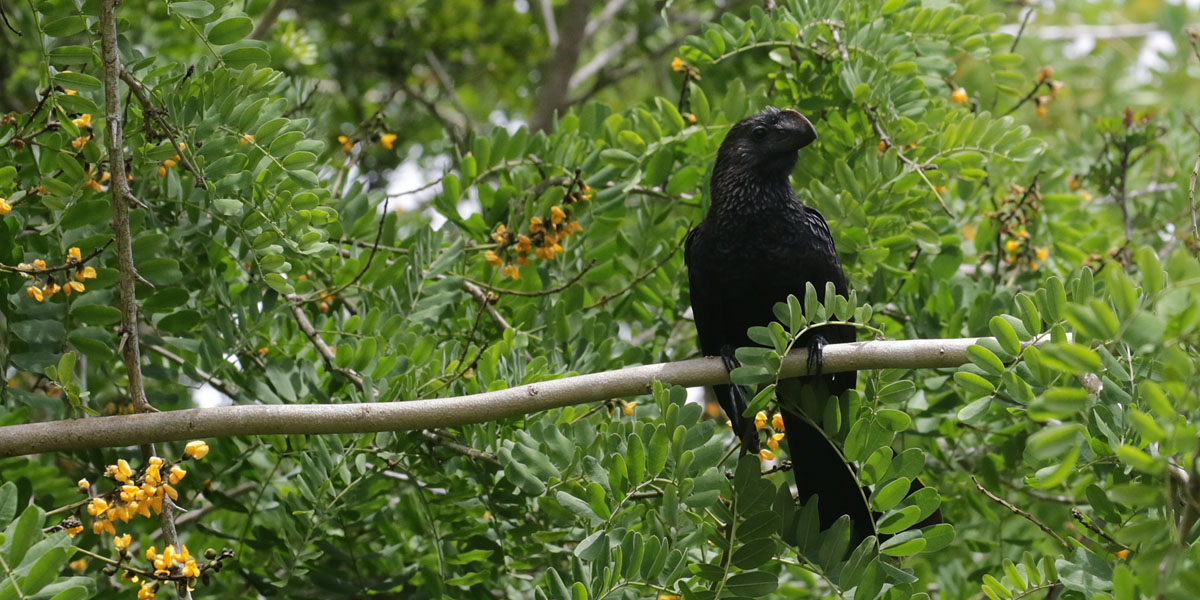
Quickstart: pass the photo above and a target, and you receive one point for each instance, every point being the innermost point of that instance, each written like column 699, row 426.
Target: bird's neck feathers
column 740, row 191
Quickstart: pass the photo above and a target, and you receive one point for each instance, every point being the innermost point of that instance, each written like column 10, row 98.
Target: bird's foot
column 816, row 359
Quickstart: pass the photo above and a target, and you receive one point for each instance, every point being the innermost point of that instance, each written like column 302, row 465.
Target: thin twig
column 323, row 349
column 363, row 271
column 443, row 440
column 1017, row 511
column 208, row 378
column 919, row 168
column 62, row 267
column 1028, row 16
column 1087, row 522
column 156, row 114
column 545, row 292
column 604, row 300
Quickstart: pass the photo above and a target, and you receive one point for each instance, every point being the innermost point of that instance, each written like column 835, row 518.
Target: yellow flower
column 773, row 441
column 728, row 423
column 691, row 118
column 69, row 92
column 765, row 454
column 387, row 140
column 83, row 485
column 1073, row 184
column 523, row 243
column 1012, row 245
column 677, row 64
column 176, row 474
column 557, row 215
column 197, row 449
column 190, row 569
column 72, row 286
column 760, row 420
column 535, row 224
column 968, row 231
column 74, row 531
column 84, row 120
column 777, row 422
column 34, row 292
column 511, row 271
column 1045, row 73
column 493, row 258
column 501, row 234
column 39, row 263
column 74, row 254
column 627, row 408
column 122, row 541
column 1042, row 253
column 147, row 591
column 666, row 596
column 78, row 565
column 522, row 259
column 1041, row 110
column 1085, row 195
column 80, row 141
column 1033, row 266
column 5, row 207
column 162, row 171
column 1024, row 234
column 86, row 273
column 151, row 553
column 958, row 96
column 169, row 163
column 246, row 139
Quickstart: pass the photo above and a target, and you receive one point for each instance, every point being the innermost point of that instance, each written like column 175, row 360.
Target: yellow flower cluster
column 172, row 162
column 138, row 494
column 40, row 291
column 163, row 562
column 775, row 436
column 5, row 207
column 545, row 237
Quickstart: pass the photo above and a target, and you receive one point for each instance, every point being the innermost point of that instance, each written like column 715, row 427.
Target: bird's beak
column 802, row 126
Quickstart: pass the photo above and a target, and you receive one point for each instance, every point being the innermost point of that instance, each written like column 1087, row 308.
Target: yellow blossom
column 147, row 591
column 162, row 171
column 74, row 254
column 765, row 454
column 74, row 531
column 1045, row 73
column 493, row 258
column 691, row 118
column 169, row 163
column 627, row 408
column 1033, row 266
column 501, row 234
column 86, row 273
column 1073, row 184
column 760, row 420
column 523, row 243
column 39, row 263
column 557, row 215
column 728, row 423
column 72, row 286
column 1041, row 110
column 511, row 271
column 83, row 485
column 387, row 139
column 1024, row 234
column 122, row 541
column 84, row 120
column 535, row 224
column 1012, row 245
column 777, row 422
column 190, row 569
column 51, row 289
column 197, row 449
column 1085, row 195
column 97, row 506
column 34, row 292
column 968, row 231
column 78, row 565
column 5, row 207
column 677, row 64
column 959, row 96
column 246, row 139
column 1042, row 253
column 176, row 474
column 80, row 141
column 522, row 259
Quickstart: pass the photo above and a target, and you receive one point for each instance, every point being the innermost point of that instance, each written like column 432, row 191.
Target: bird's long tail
column 821, row 470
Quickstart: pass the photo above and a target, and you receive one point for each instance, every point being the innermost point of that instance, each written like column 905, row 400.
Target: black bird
column 757, row 244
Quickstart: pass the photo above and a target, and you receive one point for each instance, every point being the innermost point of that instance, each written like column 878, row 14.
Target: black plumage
column 757, row 244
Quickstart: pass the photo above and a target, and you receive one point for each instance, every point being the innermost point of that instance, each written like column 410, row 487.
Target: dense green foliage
column 264, row 167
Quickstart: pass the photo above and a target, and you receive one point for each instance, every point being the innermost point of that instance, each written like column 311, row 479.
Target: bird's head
column 767, row 141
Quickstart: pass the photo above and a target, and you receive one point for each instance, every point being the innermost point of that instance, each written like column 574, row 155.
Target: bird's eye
column 760, row 131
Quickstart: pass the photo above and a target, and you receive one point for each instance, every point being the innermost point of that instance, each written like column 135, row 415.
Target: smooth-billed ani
column 757, row 244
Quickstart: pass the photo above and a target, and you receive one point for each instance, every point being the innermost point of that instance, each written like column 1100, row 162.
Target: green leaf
column 230, row 30
column 890, row 495
column 974, row 383
column 1072, row 358
column 903, row 544
column 1053, row 441
column 197, row 9
column 752, row 584
column 1005, row 335
column 77, row 81
column 985, row 359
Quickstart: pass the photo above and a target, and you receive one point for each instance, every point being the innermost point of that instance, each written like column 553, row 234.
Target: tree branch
column 366, row 417
column 556, row 76
column 1017, row 511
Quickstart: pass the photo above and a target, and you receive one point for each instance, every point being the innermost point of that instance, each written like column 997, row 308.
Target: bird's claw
column 816, row 361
